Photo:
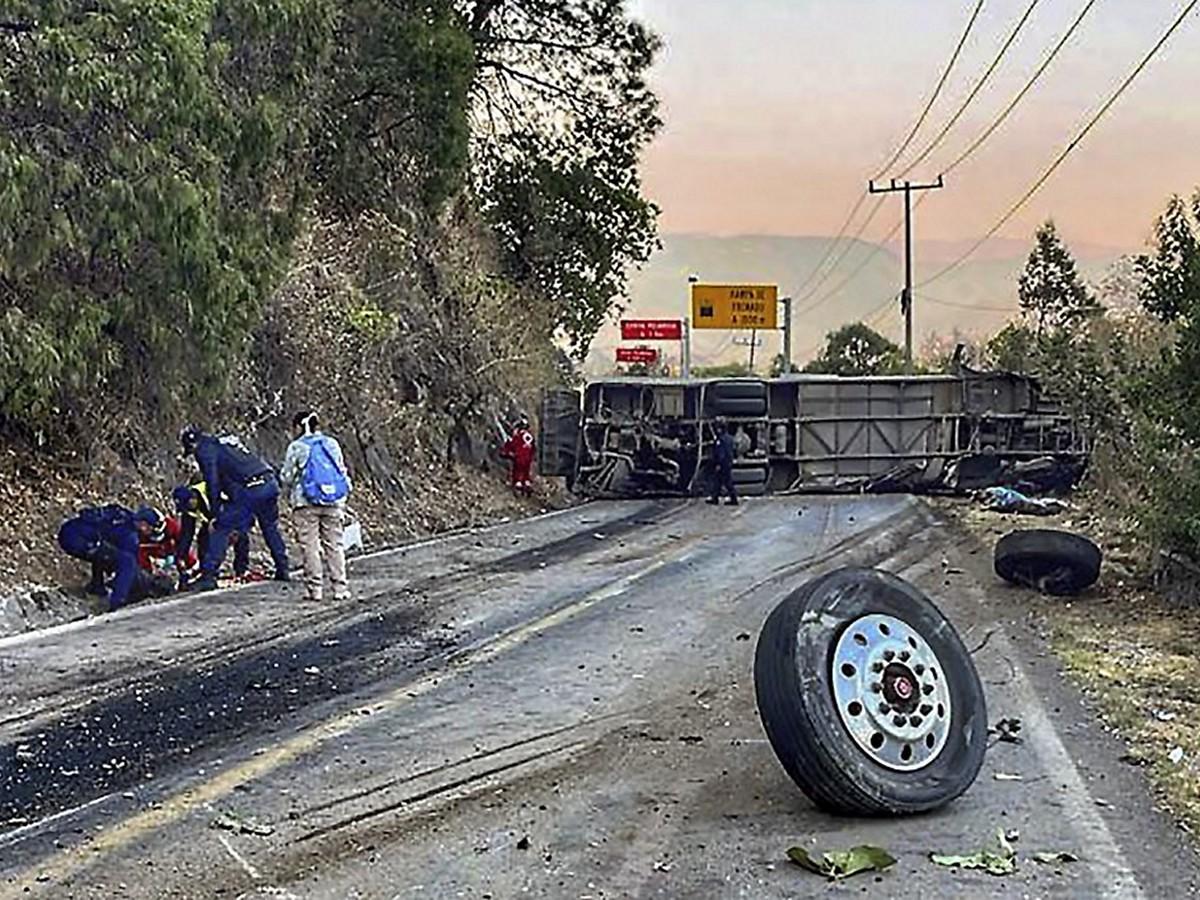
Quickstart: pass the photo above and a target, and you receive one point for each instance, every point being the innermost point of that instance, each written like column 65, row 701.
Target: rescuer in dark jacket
column 723, row 454
column 195, row 520
column 252, row 489
column 106, row 537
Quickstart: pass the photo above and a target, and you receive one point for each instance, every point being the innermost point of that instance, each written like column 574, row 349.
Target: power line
column 1075, row 142
column 854, row 273
column 979, row 85
column 829, row 252
column 967, row 306
column 801, row 298
column 1016, row 100
column 936, row 92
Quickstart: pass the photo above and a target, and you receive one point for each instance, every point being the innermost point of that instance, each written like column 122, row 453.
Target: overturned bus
column 623, row 437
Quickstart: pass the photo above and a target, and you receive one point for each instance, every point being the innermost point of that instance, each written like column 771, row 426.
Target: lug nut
column 876, row 688
column 916, row 720
column 904, row 655
column 926, row 709
column 900, row 720
column 889, row 655
column 927, row 689
column 884, row 708
column 919, row 669
column 877, row 667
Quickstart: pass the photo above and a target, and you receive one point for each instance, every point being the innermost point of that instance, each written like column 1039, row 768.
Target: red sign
column 651, row 330
column 646, row 355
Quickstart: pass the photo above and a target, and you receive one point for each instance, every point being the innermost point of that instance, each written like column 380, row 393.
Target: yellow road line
column 124, row 834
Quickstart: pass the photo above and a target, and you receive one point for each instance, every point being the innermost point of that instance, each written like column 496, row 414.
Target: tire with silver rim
column 868, row 696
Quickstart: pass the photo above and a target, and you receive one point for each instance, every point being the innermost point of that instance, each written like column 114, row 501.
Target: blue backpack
column 323, row 483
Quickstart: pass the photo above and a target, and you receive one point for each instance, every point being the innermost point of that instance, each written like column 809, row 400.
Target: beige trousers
column 320, row 531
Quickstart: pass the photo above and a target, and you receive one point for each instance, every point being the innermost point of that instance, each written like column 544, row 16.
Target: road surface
column 561, row 707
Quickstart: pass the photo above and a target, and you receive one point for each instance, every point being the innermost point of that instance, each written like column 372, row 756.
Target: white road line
column 34, row 828
column 1113, row 876
column 239, row 859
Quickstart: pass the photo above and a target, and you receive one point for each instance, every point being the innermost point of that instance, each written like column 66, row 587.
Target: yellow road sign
column 735, row 306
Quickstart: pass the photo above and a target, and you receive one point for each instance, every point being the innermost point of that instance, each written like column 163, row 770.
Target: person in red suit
column 158, row 539
column 520, row 449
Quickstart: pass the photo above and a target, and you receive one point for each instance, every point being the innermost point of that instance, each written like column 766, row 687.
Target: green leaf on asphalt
column 839, row 864
column 1060, row 856
column 997, row 858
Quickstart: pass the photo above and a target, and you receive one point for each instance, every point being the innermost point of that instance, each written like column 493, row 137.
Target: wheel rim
column 891, row 693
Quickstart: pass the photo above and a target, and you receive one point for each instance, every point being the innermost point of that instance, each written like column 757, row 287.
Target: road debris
column 1007, row 731
column 1176, row 755
column 1057, row 856
column 1007, row 776
column 997, row 858
column 839, row 864
column 238, row 825
column 523, row 843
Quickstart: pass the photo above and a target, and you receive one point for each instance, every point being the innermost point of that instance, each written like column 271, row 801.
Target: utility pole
column 787, row 335
column 906, row 299
column 687, row 330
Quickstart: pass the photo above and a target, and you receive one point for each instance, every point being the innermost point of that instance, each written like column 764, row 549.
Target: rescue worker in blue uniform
column 252, row 491
column 724, row 451
column 106, row 537
column 196, row 519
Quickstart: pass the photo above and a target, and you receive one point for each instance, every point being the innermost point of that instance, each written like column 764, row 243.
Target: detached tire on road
column 868, row 696
column 1055, row 562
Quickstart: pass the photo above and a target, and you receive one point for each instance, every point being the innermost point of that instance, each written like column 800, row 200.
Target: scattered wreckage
column 627, row 437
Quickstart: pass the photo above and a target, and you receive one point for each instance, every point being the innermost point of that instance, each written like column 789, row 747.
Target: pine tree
column 1170, row 278
column 1050, row 289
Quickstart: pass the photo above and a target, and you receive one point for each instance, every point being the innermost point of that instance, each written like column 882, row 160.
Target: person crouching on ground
column 107, row 537
column 196, row 520
column 314, row 475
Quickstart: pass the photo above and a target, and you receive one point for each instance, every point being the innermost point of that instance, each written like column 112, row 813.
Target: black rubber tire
column 750, row 475
column 736, row 390
column 1055, row 562
column 738, row 407
column 795, row 698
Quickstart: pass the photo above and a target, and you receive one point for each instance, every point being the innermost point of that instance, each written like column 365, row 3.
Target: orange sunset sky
column 777, row 111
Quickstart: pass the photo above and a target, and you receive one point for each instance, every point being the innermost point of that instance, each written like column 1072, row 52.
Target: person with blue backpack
column 315, row 476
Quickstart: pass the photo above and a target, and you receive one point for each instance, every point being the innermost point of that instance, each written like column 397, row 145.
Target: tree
column 1050, row 289
column 562, row 113
column 781, row 367
column 858, row 350
column 724, row 370
column 1012, row 349
column 147, row 200
column 1170, row 277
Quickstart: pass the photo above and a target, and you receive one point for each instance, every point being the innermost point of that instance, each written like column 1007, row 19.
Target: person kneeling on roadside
column 107, row 538
column 231, row 470
column 195, row 526
column 314, row 474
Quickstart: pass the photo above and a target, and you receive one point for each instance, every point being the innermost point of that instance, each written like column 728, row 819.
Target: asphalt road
column 561, row 707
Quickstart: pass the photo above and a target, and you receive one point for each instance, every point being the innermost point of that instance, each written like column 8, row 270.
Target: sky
column 778, row 111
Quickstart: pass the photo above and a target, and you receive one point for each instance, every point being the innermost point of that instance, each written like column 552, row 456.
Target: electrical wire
column 845, row 227
column 936, row 92
column 1020, row 95
column 979, row 85
column 1075, row 142
column 967, row 306
column 850, row 244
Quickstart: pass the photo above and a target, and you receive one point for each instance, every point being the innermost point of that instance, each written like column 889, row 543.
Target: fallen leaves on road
column 231, row 822
column 997, row 858
column 839, row 864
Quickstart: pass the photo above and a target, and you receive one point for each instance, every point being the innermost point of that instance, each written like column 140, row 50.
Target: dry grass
column 1131, row 651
